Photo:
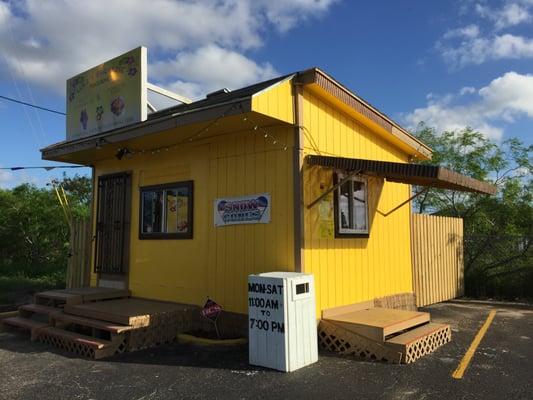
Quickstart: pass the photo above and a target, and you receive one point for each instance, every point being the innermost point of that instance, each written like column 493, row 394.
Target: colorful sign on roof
column 108, row 96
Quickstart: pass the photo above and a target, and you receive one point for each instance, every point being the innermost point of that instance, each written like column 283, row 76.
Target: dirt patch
column 212, row 335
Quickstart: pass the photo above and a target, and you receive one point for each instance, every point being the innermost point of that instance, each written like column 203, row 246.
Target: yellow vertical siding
column 352, row 270
column 276, row 101
column 248, row 165
column 217, row 261
column 437, row 249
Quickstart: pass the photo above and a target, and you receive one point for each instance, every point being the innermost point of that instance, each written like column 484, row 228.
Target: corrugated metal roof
column 413, row 174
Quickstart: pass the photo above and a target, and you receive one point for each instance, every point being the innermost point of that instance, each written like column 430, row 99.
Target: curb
column 494, row 303
column 184, row 338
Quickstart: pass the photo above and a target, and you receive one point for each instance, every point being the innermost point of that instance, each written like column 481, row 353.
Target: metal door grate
column 113, row 223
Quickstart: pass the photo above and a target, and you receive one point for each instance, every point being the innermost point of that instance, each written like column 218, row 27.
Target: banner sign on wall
column 109, row 96
column 253, row 209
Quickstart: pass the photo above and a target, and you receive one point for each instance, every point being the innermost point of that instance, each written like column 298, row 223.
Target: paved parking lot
column 502, row 368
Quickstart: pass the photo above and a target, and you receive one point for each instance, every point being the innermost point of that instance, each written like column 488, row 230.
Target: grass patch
column 17, row 289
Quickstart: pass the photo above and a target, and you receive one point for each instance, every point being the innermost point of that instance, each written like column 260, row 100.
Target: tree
column 34, row 232
column 79, row 193
column 498, row 229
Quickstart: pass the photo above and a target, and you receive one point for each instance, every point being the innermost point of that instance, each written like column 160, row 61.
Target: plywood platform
column 132, row 311
column 378, row 323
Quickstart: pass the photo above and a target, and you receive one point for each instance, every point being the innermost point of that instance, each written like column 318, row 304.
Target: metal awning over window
column 412, row 174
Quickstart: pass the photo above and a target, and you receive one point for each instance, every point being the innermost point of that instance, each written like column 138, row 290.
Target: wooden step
column 92, row 323
column 57, row 297
column 132, row 311
column 34, row 327
column 98, row 293
column 89, row 341
column 38, row 309
column 420, row 341
column 24, row 323
column 79, row 295
column 378, row 323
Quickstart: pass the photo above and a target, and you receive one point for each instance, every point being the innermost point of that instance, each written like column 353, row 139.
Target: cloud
column 477, row 50
column 198, row 74
column 5, row 176
column 470, row 45
column 47, row 42
column 469, row 31
column 492, row 107
column 285, row 14
column 510, row 14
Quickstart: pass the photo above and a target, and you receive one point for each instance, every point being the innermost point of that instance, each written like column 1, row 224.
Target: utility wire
column 48, row 168
column 31, row 105
column 28, row 89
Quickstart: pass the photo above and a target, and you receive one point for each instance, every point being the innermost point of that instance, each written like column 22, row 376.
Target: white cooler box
column 282, row 320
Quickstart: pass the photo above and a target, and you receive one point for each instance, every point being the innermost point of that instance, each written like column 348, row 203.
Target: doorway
column 113, row 220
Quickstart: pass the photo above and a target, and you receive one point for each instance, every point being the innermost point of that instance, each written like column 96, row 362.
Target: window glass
column 177, row 216
column 172, row 211
column 166, row 211
column 152, row 211
column 360, row 209
column 344, row 205
column 352, row 207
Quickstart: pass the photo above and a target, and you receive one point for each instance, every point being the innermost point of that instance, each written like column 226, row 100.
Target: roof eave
column 330, row 85
column 56, row 151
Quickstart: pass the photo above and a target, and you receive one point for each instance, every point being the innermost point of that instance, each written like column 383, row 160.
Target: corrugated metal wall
column 437, row 252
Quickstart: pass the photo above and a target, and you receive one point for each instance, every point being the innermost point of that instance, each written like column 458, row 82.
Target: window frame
column 349, row 233
column 167, row 235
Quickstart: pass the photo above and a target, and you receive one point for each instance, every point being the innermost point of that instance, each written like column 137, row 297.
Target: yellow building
column 293, row 174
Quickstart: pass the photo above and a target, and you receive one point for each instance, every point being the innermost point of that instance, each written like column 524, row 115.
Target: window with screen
column 351, row 206
column 166, row 211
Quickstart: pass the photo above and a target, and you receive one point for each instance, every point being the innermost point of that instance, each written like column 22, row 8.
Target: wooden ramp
column 381, row 333
column 100, row 322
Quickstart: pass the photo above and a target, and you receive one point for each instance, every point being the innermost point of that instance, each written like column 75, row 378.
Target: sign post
column 211, row 311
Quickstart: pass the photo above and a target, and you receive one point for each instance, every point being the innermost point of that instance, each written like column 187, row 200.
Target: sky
column 449, row 63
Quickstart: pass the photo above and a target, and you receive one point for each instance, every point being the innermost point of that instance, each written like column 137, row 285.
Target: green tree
column 33, row 237
column 34, row 232
column 78, row 189
column 498, row 229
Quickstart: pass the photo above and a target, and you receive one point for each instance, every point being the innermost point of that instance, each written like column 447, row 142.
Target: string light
column 266, row 134
column 47, row 168
column 198, row 134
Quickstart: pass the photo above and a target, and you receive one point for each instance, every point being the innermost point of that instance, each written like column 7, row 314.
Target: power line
column 31, row 105
column 48, row 168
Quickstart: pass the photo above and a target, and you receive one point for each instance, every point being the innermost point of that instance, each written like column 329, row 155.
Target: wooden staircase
column 47, row 322
column 98, row 322
column 375, row 333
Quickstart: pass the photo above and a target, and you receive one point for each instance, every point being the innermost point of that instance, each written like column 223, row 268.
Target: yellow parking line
column 463, row 365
